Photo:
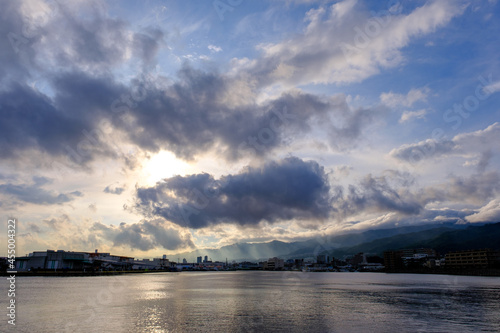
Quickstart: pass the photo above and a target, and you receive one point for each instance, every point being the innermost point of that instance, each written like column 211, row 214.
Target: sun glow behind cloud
column 164, row 165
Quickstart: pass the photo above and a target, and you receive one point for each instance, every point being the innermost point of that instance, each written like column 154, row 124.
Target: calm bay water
column 256, row 301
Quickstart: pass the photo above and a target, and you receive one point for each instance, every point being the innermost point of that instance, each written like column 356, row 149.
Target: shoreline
column 478, row 272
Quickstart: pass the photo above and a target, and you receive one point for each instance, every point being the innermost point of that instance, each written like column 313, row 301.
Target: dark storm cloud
column 34, row 193
column 191, row 117
column 58, row 42
column 284, row 190
column 31, row 121
column 145, row 235
column 188, row 117
column 292, row 189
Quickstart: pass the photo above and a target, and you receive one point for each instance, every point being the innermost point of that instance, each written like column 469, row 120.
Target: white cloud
column 342, row 44
column 409, row 115
column 492, row 88
column 414, row 95
column 214, row 48
column 340, row 9
column 465, row 144
column 479, row 140
column 488, row 213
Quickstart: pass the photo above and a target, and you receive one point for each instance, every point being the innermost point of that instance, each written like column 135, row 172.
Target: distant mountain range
column 441, row 237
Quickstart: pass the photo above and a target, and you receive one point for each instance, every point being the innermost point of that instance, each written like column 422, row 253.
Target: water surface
column 257, row 301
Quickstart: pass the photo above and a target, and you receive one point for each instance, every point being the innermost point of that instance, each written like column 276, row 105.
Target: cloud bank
column 278, row 191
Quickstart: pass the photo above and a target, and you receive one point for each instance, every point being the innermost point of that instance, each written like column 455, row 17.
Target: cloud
column 395, row 219
column 193, row 115
column 83, row 37
column 93, row 207
column 214, row 48
column 58, row 223
column 278, row 191
column 287, row 190
column 423, row 150
column 481, row 162
column 66, row 125
column 63, row 232
column 69, row 51
column 342, row 43
column 394, row 192
column 408, row 115
column 198, row 112
column 492, row 88
column 34, row 193
column 147, row 44
column 488, row 213
column 482, row 138
column 474, row 189
column 145, row 235
column 188, row 117
column 34, row 228
column 114, row 189
column 32, row 122
column 414, row 95
column 69, row 36
column 386, row 193
column 60, row 232
column 461, row 144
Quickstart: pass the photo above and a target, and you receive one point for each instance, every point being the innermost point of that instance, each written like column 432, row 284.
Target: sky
column 144, row 128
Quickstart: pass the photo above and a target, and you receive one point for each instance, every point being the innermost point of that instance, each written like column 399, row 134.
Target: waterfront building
column 274, row 264
column 408, row 257
column 420, row 251
column 54, row 260
column 85, row 261
column 248, row 265
column 393, row 260
column 156, row 263
column 322, row 259
column 485, row 258
column 299, row 263
column 358, row 259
